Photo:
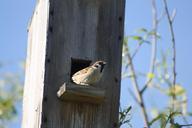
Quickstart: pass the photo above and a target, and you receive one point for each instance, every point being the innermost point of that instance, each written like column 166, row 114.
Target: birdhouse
column 65, row 36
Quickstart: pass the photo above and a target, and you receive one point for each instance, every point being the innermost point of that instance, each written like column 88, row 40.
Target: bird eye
column 100, row 63
column 96, row 66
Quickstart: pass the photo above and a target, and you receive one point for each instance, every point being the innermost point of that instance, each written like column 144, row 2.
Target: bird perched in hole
column 89, row 75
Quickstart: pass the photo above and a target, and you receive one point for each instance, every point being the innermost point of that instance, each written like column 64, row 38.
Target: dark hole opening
column 78, row 64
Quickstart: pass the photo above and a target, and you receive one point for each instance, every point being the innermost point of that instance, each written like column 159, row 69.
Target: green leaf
column 137, row 38
column 160, row 117
column 123, row 114
column 176, row 125
column 142, row 30
column 174, row 114
column 150, row 75
column 176, row 90
column 152, row 33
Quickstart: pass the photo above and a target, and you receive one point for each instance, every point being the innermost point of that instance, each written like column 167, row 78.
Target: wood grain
column 82, row 29
column 80, row 93
column 35, row 66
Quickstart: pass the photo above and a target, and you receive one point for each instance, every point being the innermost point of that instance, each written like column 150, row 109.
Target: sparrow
column 89, row 75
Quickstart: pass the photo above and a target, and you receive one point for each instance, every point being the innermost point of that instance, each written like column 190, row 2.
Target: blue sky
column 15, row 16
column 138, row 14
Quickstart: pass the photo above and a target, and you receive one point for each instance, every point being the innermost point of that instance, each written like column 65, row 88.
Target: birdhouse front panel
column 84, row 42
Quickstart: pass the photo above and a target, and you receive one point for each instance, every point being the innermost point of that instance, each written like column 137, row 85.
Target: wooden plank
column 79, row 93
column 60, row 31
column 88, row 30
column 35, row 66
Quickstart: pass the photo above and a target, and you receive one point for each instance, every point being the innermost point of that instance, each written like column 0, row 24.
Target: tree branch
column 134, row 54
column 133, row 95
column 185, row 125
column 170, row 21
column 186, row 122
column 154, row 45
column 137, row 91
column 173, row 46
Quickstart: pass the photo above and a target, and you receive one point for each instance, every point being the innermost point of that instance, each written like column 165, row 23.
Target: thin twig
column 137, row 91
column 154, row 45
column 162, row 15
column 174, row 50
column 133, row 95
column 185, row 125
column 186, row 122
column 136, row 50
column 134, row 54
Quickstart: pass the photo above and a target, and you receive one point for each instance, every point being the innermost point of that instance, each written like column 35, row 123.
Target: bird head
column 99, row 64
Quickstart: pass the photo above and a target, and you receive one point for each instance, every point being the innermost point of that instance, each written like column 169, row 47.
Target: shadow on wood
column 80, row 93
column 63, row 36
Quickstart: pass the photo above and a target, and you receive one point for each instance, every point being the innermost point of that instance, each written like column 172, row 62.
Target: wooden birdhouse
column 65, row 36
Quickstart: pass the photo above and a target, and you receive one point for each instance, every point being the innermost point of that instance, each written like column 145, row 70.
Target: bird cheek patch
column 78, row 64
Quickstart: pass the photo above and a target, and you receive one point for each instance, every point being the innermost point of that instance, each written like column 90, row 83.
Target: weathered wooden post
column 65, row 36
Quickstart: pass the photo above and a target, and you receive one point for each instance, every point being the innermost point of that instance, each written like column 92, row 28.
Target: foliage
column 161, row 78
column 124, row 116
column 10, row 95
column 164, row 118
column 162, row 82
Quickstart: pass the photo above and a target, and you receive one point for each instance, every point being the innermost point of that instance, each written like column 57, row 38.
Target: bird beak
column 104, row 63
